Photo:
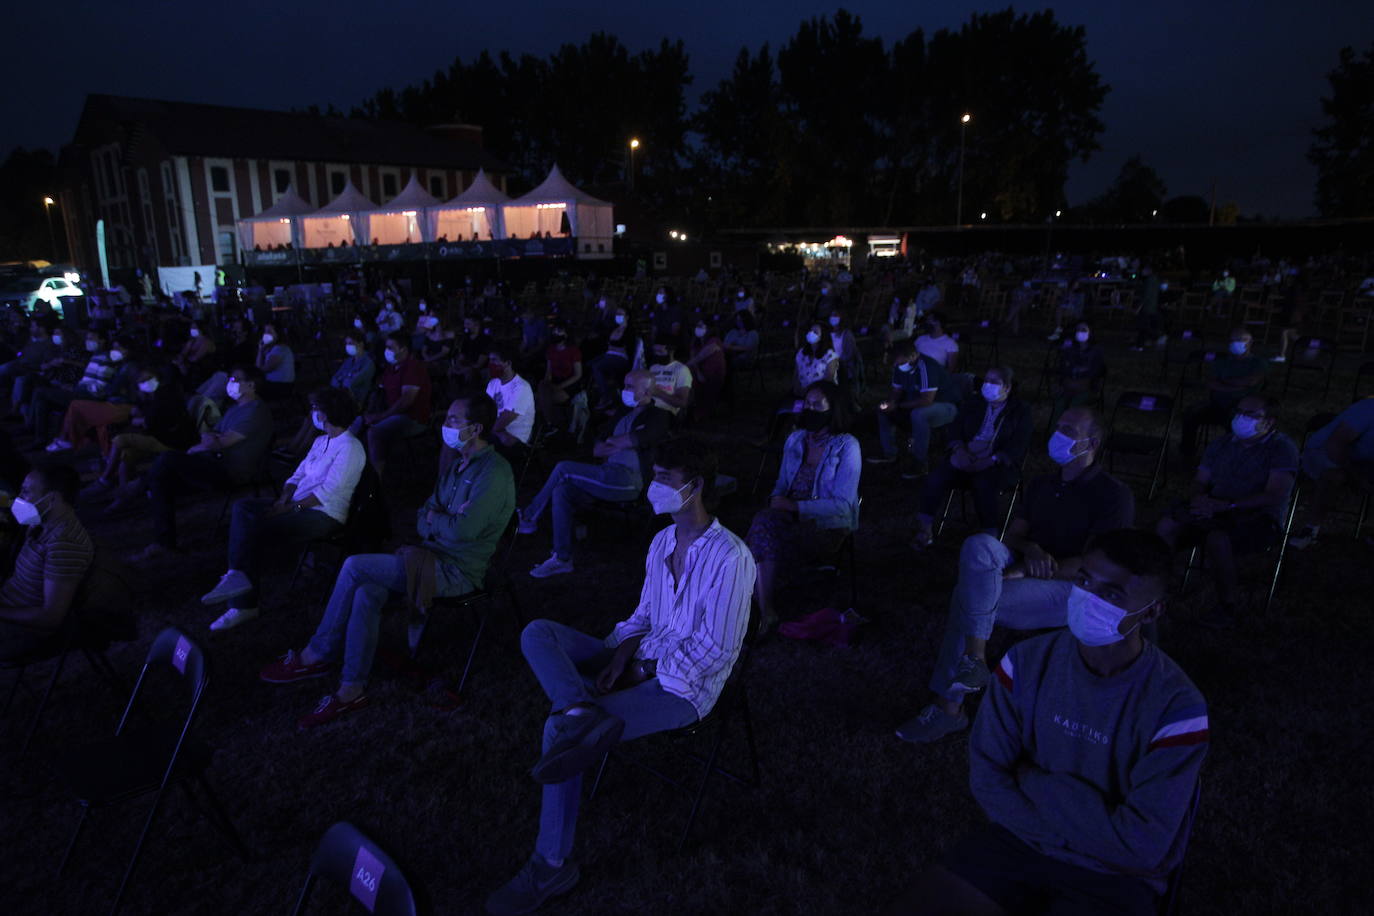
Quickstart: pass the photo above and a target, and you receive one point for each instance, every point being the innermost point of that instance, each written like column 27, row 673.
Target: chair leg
column 138, row 852
column 43, row 703
column 14, row 689
column 749, row 739
column 944, row 513
column 708, row 769
column 853, row 575
column 1188, row 569
column 476, row 641
column 221, row 820
column 600, row 771
column 71, row 844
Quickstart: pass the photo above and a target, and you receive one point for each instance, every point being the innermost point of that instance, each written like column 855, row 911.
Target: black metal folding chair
column 262, row 478
column 1311, row 355
column 1014, row 491
column 1147, row 407
column 1279, row 550
column 149, row 759
column 1365, row 371
column 365, row 530
column 1179, row 348
column 349, row 859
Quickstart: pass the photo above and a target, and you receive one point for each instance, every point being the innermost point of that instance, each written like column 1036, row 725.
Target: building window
column 337, row 181
column 436, row 186
column 389, row 188
column 281, row 180
column 224, row 247
column 219, row 179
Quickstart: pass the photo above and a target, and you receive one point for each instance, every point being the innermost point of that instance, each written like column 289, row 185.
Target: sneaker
column 1278, row 359
column 233, row 617
column 881, row 459
column 231, row 585
column 1162, row 341
column 1055, row 335
column 924, row 537
column 532, row 887
column 58, row 445
column 553, row 566
column 154, row 551
column 931, row 725
column 526, row 526
column 1135, row 349
column 578, row 743
column 289, row 668
column 328, row 709
column 816, row 625
column 972, row 675
column 1303, row 537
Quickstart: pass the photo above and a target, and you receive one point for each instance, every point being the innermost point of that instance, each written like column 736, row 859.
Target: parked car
column 27, row 292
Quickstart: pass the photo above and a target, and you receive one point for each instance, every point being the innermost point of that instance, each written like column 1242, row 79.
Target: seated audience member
column 988, row 441
column 277, row 364
column 562, row 376
column 1085, row 757
column 815, row 502
column 459, row 526
column 53, row 559
column 742, row 341
column 354, row 377
column 936, row 344
column 514, row 399
column 924, row 397
column 1239, row 499
column 1022, row 581
column 847, row 349
column 928, row 299
column 1148, row 323
column 230, row 456
column 159, row 423
column 1082, row 368
column 313, row 504
column 608, row 369
column 405, row 399
column 816, row 360
column 63, row 368
column 243, row 346
column 94, row 382
column 636, row 431
column 707, row 361
column 1338, row 455
column 672, row 379
column 389, row 319
column 86, row 415
column 662, row 668
column 193, row 360
column 38, row 350
column 1231, row 376
column 436, row 342
column 666, row 314
column 1070, row 308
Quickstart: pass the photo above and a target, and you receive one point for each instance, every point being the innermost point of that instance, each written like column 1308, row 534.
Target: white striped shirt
column 694, row 628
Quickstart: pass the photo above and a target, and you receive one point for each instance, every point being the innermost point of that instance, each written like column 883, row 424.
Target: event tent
column 401, row 220
column 279, row 224
column 474, row 215
column 559, row 209
column 333, row 224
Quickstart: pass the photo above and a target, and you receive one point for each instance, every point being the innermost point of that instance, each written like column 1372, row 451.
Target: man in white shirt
column 313, row 504
column 514, row 400
column 662, row 668
column 672, row 379
column 936, row 344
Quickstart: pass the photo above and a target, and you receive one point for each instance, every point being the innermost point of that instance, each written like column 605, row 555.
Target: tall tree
column 26, row 176
column 1343, row 147
column 1133, row 197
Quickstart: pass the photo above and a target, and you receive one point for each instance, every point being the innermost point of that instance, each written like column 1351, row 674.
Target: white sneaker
column 1278, row 359
column 231, row 585
column 233, row 617
column 1162, row 341
column 526, row 526
column 553, row 566
column 1055, row 336
column 58, row 445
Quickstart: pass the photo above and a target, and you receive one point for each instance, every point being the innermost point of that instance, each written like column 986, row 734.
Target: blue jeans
column 348, row 630
column 922, row 420
column 252, row 533
column 565, row 662
column 983, row 598
column 574, row 485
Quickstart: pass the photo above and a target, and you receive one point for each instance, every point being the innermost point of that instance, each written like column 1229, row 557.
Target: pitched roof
column 289, row 205
column 191, row 128
column 556, row 188
column 350, row 200
column 412, row 197
column 480, row 193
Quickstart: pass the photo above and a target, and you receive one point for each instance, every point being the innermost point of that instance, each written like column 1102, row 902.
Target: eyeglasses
column 1252, row 414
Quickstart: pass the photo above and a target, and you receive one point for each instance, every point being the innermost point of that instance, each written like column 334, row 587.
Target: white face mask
column 429, row 322
column 317, row 418
column 267, row 339
column 1081, row 336
column 813, row 337
column 116, row 356
column 195, row 332
column 701, row 332
column 358, row 323
column 234, row 390
column 148, row 386
column 390, row 307
column 1238, row 347
column 423, row 307
column 627, row 397
column 834, row 321
column 25, row 512
column 351, row 349
column 389, row 356
column 666, row 500
column 660, row 298
column 57, row 341
column 1061, row 448
column 1244, row 427
column 904, row 367
column 992, row 391
column 1095, row 621
column 619, row 319
column 739, row 295
column 453, row 437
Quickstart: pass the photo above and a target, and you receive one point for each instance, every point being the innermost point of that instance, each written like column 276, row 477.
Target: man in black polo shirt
column 1238, row 501
column 1023, row 581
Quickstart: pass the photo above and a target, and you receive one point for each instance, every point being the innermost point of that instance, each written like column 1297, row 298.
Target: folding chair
column 844, row 553
column 366, row 529
column 1146, row 445
column 780, row 425
column 150, row 759
column 261, row 478
column 1280, row 550
column 1311, row 354
column 1365, row 371
column 1314, row 423
column 348, row 858
column 732, row 704
column 981, row 338
column 1179, row 349
column 964, row 491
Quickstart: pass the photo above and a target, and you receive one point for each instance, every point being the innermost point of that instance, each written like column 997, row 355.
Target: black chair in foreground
column 1148, row 407
column 347, row 858
column 150, row 758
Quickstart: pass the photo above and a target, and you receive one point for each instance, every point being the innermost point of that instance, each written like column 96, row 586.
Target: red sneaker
column 329, row 709
column 289, row 669
column 816, row 625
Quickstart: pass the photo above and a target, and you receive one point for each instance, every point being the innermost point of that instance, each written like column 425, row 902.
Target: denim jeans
column 983, row 598
column 565, row 662
column 42, row 403
column 348, row 630
column 922, row 421
column 174, row 474
column 252, row 533
column 574, row 485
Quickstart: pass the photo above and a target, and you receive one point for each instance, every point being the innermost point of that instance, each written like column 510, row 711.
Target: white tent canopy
column 279, row 224
column 474, row 214
column 401, row 220
column 334, row 223
column 544, row 209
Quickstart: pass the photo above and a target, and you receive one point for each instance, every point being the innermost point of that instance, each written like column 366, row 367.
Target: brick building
column 170, row 179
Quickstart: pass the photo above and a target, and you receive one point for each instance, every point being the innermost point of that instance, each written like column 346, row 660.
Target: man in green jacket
column 459, row 527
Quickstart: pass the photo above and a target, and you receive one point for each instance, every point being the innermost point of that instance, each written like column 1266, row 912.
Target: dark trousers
column 176, row 474
column 252, row 534
column 985, row 485
column 17, row 639
column 41, row 406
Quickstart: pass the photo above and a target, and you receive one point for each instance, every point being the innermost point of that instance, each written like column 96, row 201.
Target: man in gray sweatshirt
column 1085, row 756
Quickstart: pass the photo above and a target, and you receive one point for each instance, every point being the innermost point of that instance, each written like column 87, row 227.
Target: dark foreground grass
column 846, row 814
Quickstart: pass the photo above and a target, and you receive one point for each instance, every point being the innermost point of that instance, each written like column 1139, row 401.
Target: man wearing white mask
column 640, row 426
column 1085, row 757
column 661, row 668
column 313, row 504
column 514, row 398
column 459, row 527
column 389, row 320
column 1022, row 581
column 1230, row 376
column 53, row 559
column 1238, row 501
column 406, row 395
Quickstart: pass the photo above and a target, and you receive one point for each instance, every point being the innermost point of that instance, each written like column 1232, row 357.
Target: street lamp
column 959, row 207
column 52, row 239
column 634, row 145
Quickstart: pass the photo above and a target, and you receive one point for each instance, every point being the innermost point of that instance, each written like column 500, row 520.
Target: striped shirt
column 96, row 379
column 693, row 628
column 58, row 550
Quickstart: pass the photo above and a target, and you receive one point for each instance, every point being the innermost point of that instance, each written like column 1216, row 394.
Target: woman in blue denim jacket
column 815, row 502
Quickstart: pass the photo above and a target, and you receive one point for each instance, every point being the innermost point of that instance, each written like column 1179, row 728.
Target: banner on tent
column 410, row 252
column 450, row 251
column 270, row 258
column 535, row 248
column 349, row 254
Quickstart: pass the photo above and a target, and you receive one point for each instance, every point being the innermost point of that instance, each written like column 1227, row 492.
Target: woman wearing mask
column 436, row 343
column 389, row 319
column 707, row 362
column 847, row 349
column 562, row 376
column 742, row 341
column 85, row 416
column 277, row 364
column 354, row 376
column 194, row 359
column 815, row 502
column 158, row 422
column 608, row 369
column 816, row 360
column 988, row 442
column 1082, row 369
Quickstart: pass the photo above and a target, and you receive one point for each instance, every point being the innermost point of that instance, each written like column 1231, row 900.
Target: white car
column 27, row 293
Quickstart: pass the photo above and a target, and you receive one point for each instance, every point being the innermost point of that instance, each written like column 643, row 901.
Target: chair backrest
column 1145, row 402
column 347, row 858
column 1314, row 423
column 178, row 651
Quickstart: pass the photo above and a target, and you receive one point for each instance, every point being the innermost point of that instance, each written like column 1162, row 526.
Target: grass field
column 846, row 814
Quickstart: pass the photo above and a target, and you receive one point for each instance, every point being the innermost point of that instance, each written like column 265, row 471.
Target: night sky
column 1201, row 89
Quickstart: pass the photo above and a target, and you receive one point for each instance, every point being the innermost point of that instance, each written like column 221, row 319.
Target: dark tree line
column 1343, row 147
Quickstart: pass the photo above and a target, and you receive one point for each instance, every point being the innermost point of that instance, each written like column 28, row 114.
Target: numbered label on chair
column 367, row 878
column 180, row 653
column 1147, row 403
column 1187, row 335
